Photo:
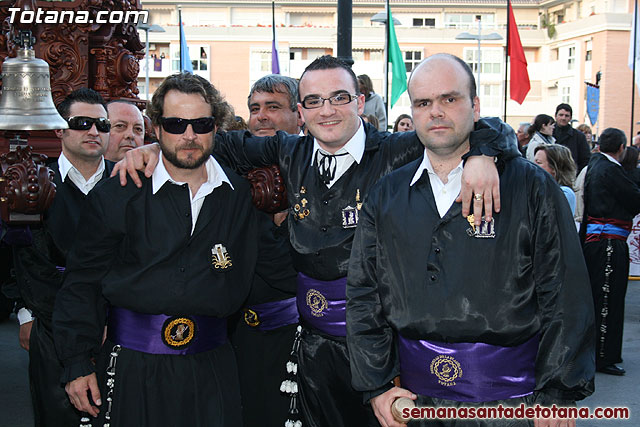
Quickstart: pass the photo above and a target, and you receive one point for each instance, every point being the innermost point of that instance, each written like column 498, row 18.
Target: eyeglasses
column 311, row 102
column 85, row 123
column 177, row 125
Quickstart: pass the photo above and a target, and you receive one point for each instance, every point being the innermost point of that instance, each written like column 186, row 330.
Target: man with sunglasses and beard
column 40, row 266
column 166, row 265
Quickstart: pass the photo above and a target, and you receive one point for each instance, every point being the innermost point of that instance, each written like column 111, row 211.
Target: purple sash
column 323, row 304
column 468, row 372
column 162, row 334
column 272, row 315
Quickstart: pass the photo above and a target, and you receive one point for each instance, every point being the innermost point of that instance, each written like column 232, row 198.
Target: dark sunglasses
column 177, row 125
column 85, row 123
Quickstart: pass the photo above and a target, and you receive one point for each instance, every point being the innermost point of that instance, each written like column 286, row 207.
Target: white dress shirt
column 84, row 185
column 444, row 194
column 354, row 149
column 215, row 178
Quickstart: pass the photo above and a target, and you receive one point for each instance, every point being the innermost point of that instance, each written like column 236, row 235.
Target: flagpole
column 506, row 66
column 179, row 27
column 387, row 37
column 633, row 74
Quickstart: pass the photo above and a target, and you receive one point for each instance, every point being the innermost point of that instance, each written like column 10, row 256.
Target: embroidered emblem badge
column 447, row 369
column 178, row 332
column 316, row 302
column 349, row 217
column 486, row 230
column 220, row 258
column 251, row 317
column 300, row 210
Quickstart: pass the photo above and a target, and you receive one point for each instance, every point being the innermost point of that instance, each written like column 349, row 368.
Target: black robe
column 576, row 142
column 422, row 276
column 38, row 281
column 322, row 244
column 135, row 250
column 262, row 355
column 609, row 193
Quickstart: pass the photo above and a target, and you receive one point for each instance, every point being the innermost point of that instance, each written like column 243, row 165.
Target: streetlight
column 381, row 17
column 479, row 36
column 147, row 29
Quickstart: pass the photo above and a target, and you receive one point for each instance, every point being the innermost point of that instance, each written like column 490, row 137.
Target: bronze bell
column 26, row 102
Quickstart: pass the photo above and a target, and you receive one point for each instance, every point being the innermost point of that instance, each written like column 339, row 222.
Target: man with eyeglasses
column 162, row 268
column 328, row 174
column 40, row 266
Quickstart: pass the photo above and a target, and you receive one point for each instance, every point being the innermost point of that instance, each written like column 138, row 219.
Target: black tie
column 327, row 165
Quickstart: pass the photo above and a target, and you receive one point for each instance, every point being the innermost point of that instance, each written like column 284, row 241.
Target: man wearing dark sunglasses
column 39, row 267
column 174, row 260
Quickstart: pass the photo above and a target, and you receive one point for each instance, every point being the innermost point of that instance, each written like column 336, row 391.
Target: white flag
column 634, row 41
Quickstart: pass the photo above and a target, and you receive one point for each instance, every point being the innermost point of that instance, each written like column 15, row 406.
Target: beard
column 193, row 161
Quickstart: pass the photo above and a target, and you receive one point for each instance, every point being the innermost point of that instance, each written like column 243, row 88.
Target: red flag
column 520, row 84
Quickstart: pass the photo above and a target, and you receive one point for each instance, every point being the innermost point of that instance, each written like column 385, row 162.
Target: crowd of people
column 161, row 296
column 600, row 179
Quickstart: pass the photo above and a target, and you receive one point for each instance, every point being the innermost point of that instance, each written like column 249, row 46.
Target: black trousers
column 608, row 295
column 324, row 382
column 51, row 405
column 150, row 390
column 262, row 358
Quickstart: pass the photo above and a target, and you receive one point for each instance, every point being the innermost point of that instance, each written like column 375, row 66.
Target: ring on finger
column 478, row 197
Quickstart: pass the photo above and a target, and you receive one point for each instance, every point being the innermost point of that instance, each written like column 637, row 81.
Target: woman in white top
column 541, row 132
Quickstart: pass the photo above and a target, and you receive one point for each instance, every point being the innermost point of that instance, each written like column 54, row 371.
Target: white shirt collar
column 426, row 164
column 215, row 177
column 67, row 168
column 355, row 146
column 610, row 157
column 65, row 165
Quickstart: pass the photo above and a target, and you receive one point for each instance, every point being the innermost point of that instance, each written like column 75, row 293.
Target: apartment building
column 566, row 43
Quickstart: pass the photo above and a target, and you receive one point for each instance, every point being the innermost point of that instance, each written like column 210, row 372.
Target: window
column 199, row 56
column 260, row 63
column 589, row 50
column 490, row 97
column 566, row 95
column 491, row 60
column 468, row 20
column 424, row 22
column 412, row 59
column 571, row 58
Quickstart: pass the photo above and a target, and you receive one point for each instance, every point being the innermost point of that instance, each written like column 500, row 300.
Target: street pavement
column 611, row 391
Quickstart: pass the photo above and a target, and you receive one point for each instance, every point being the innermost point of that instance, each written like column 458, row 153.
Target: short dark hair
column 84, row 94
column 328, row 62
column 276, row 83
column 565, row 107
column 473, row 91
column 611, row 139
column 190, row 84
